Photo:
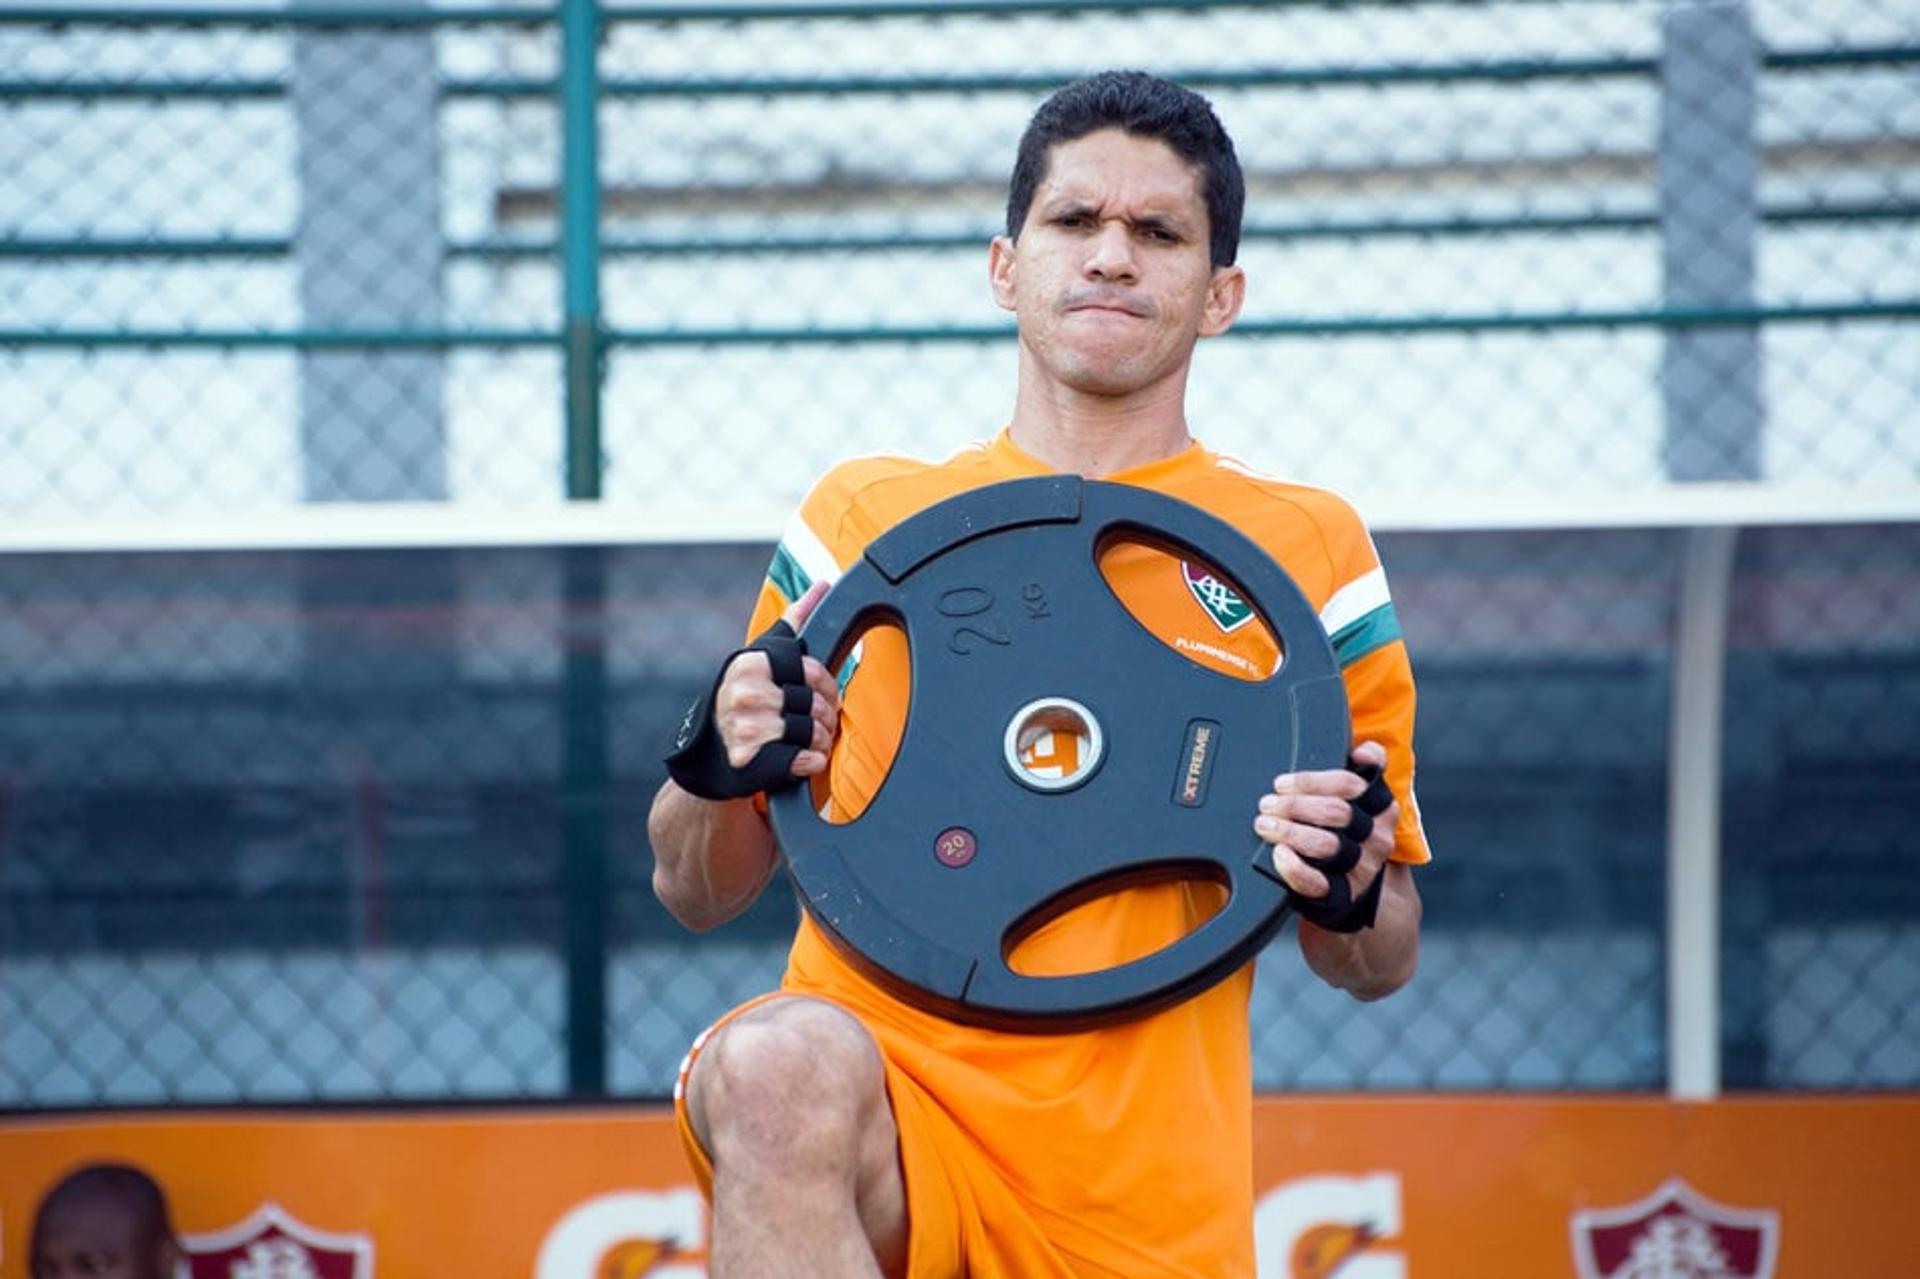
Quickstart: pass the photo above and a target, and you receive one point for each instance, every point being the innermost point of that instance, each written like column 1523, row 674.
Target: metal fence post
column 580, row 239
column 1693, row 815
column 1709, row 164
column 1709, row 168
column 584, row 787
column 368, row 252
column 584, row 710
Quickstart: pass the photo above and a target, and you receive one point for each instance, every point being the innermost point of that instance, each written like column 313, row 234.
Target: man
column 103, row 1221
column 842, row 1131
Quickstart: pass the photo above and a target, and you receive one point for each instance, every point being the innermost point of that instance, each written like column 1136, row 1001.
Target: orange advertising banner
column 1350, row 1187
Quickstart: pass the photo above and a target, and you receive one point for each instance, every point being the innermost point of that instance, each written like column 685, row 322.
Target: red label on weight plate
column 955, row 846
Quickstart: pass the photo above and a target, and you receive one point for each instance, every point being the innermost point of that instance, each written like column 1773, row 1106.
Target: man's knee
column 793, row 1079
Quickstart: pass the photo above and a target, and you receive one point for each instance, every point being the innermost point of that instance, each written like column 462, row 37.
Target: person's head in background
column 103, row 1221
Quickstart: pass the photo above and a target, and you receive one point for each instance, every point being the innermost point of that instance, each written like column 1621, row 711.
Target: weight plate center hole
column 1053, row 744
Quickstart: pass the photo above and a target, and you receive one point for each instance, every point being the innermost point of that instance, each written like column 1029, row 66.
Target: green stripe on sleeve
column 786, row 574
column 1357, row 638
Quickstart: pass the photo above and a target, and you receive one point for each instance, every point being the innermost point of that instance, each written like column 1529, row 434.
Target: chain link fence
column 336, row 824
column 307, row 824
column 318, row 257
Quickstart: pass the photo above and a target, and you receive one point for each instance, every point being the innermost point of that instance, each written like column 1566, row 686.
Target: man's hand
column 769, row 718
column 711, row 859
column 750, row 709
column 1301, row 818
column 1304, row 814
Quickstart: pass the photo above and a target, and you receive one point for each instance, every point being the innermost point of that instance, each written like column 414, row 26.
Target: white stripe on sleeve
column 809, row 551
column 1355, row 600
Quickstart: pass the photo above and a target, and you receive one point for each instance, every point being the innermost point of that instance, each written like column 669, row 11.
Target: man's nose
column 1110, row 255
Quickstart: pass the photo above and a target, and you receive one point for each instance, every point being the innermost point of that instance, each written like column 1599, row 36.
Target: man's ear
column 1000, row 255
column 1226, row 292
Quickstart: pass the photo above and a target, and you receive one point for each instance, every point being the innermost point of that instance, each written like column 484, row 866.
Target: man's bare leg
column 790, row 1101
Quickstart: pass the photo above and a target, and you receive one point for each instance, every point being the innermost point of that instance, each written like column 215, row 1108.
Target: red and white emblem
column 270, row 1244
column 1676, row 1233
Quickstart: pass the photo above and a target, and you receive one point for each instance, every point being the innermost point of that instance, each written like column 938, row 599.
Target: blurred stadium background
column 398, row 404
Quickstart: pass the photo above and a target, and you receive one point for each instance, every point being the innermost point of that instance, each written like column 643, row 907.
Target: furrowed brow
column 1160, row 222
column 1070, row 206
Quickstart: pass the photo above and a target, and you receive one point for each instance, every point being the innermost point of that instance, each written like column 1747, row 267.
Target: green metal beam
column 586, row 775
column 1885, row 55
column 580, row 245
column 959, row 8
column 1319, row 229
column 1843, row 211
column 350, row 15
column 346, row 15
column 92, row 90
column 1504, row 71
column 1812, row 214
column 285, row 339
column 212, row 246
column 1332, row 326
column 585, row 752
column 1028, row 82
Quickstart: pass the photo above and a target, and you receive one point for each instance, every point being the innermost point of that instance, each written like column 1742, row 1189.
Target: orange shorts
column 963, row 1219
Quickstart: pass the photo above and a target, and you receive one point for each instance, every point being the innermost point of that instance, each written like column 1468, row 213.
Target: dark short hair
column 124, row 1185
column 1145, row 106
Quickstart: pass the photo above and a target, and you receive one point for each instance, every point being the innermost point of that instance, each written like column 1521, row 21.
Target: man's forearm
column 711, row 857
column 1375, row 962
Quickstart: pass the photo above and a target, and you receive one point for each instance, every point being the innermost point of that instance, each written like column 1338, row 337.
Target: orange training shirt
column 1129, row 1147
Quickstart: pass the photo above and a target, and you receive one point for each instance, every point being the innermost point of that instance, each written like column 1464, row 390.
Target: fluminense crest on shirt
column 1223, row 604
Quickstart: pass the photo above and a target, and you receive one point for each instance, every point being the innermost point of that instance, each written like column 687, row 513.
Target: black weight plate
column 1003, row 603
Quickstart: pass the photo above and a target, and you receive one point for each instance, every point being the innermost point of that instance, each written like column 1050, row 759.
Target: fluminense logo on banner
column 1676, row 1233
column 271, row 1244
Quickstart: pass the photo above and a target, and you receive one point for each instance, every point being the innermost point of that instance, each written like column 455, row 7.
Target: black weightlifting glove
column 1340, row 911
column 698, row 760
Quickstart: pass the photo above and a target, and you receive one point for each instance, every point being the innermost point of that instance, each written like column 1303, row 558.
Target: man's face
column 1110, row 276
column 98, row 1240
